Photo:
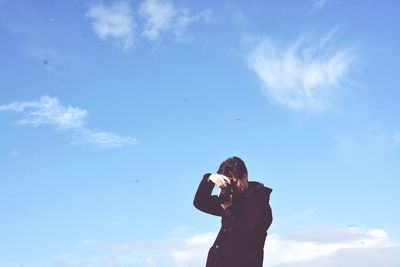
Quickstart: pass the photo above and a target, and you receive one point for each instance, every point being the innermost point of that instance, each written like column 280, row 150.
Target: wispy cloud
column 318, row 4
column 344, row 247
column 193, row 250
column 107, row 139
column 114, row 22
column 13, row 153
column 318, row 248
column 297, row 217
column 189, row 251
column 162, row 16
column 159, row 16
column 366, row 143
column 48, row 111
column 155, row 18
column 302, row 75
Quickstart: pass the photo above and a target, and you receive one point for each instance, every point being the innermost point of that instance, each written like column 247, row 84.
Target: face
column 240, row 185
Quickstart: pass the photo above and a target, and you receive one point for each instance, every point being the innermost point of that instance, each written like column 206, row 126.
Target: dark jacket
column 244, row 225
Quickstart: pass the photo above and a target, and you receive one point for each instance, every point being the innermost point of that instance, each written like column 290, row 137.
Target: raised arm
column 203, row 199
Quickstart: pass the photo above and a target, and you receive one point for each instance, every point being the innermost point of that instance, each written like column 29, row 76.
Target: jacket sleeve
column 203, row 199
column 251, row 227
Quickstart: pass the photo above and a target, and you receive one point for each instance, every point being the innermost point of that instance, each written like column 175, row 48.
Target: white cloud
column 318, row 248
column 193, row 251
column 161, row 17
column 48, row 111
column 344, row 247
column 190, row 251
column 349, row 247
column 318, row 4
column 313, row 249
column 185, row 19
column 108, row 140
column 155, row 18
column 114, row 22
column 303, row 75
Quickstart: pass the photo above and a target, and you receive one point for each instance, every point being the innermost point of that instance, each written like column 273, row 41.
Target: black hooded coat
column 244, row 225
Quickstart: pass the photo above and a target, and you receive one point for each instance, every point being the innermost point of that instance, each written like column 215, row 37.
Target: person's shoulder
column 259, row 187
column 267, row 189
column 259, row 192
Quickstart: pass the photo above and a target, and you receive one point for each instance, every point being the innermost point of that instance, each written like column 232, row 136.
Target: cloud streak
column 193, row 251
column 344, row 247
column 367, row 143
column 301, row 76
column 354, row 246
column 158, row 15
column 117, row 22
column 319, row 4
column 318, row 248
column 13, row 153
column 162, row 16
column 107, row 139
column 114, row 22
column 48, row 111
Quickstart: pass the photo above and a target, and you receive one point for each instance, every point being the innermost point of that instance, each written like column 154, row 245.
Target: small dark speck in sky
column 45, row 62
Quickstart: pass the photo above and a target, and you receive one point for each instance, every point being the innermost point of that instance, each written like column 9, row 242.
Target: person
column 245, row 215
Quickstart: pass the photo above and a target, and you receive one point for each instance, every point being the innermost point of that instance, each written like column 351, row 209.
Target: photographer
column 245, row 211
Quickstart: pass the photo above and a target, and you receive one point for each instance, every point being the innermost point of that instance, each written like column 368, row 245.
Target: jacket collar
column 255, row 188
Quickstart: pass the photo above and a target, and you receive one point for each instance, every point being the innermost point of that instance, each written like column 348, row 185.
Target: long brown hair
column 233, row 167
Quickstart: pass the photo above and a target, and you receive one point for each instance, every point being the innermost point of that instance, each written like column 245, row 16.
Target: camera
column 225, row 194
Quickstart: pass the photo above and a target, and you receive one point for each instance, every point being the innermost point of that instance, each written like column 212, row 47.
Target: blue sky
column 111, row 112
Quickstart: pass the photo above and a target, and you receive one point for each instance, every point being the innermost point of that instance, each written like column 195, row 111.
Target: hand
column 219, row 180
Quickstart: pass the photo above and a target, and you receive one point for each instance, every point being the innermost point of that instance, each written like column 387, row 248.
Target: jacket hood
column 255, row 189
